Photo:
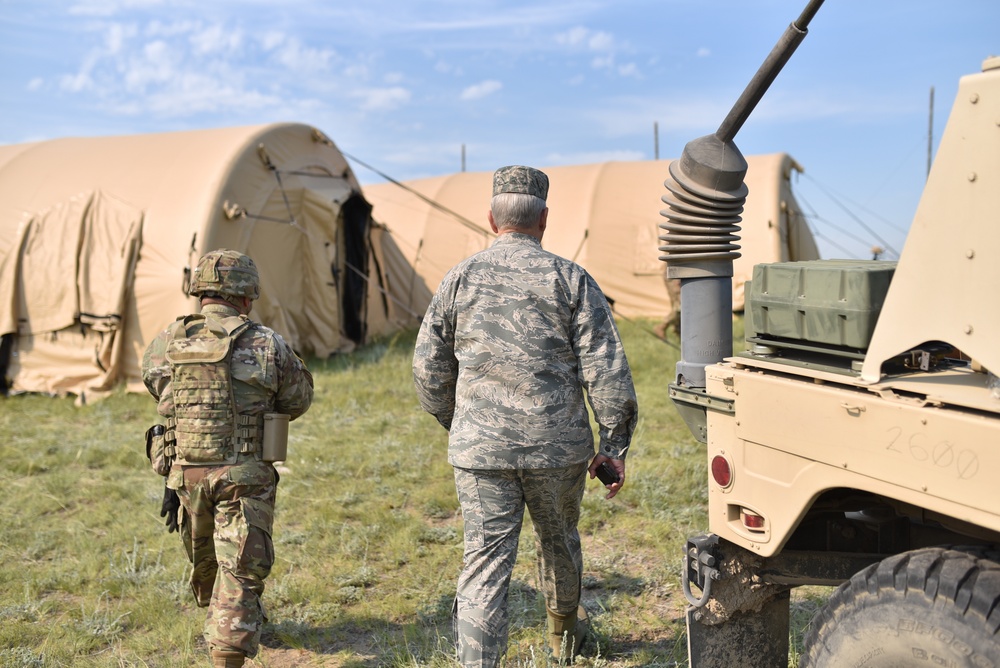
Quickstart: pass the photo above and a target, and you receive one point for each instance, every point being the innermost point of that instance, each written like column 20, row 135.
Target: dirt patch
column 358, row 655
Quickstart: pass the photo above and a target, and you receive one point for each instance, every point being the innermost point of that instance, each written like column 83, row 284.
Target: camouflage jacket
column 267, row 376
column 512, row 342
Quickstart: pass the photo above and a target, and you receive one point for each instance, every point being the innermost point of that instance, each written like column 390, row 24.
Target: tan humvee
column 857, row 440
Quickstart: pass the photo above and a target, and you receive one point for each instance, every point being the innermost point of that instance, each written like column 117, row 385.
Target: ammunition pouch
column 158, row 451
column 249, row 434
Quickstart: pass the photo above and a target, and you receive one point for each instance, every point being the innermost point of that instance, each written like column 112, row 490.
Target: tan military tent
column 604, row 216
column 98, row 237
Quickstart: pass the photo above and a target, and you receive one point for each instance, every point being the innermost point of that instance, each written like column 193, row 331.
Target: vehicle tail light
column 752, row 520
column 722, row 473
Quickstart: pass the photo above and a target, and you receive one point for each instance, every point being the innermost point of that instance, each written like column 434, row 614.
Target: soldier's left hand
column 618, row 465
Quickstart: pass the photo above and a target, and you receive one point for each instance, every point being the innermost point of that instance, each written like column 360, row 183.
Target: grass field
column 367, row 533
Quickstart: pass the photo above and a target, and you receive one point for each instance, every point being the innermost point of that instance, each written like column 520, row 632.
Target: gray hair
column 516, row 210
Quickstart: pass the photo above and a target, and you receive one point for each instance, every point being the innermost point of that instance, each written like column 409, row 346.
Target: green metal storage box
column 832, row 302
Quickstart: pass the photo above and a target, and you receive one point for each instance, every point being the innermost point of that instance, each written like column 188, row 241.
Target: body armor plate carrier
column 205, row 422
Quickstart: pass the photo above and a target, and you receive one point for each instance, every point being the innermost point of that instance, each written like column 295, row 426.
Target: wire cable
column 440, row 207
column 835, row 199
column 816, row 218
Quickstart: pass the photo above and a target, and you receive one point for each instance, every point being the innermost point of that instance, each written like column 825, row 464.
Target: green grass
column 367, row 533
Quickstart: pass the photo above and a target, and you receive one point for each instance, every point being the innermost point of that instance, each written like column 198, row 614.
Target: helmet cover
column 226, row 272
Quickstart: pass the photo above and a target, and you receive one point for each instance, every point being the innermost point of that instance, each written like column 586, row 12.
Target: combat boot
column 567, row 633
column 223, row 658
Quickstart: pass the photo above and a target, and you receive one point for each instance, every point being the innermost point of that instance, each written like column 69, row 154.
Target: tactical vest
column 207, row 427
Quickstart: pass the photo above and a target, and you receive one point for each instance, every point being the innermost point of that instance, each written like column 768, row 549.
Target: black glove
column 169, row 508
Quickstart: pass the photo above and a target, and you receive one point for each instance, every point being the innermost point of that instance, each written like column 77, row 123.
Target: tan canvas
column 604, row 216
column 397, row 302
column 98, row 236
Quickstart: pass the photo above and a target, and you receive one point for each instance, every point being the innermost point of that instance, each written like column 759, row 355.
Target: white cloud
column 273, row 39
column 74, row 83
column 629, row 70
column 36, row 84
column 447, row 68
column 157, row 28
column 602, row 62
column 195, row 93
column 607, row 62
column 600, row 41
column 573, row 37
column 109, row 7
column 154, row 66
column 294, row 56
column 215, row 39
column 382, row 99
column 82, row 80
column 184, row 68
column 704, row 52
column 481, row 90
column 591, row 40
column 601, row 44
column 358, row 71
column 116, row 36
column 464, row 17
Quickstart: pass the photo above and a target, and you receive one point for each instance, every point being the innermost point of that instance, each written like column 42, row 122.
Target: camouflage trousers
column 493, row 504
column 229, row 513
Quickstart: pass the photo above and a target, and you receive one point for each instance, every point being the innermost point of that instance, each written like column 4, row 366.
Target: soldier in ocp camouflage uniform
column 214, row 375
column 513, row 341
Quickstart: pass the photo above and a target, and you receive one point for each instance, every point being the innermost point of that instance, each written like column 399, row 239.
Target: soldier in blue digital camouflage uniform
column 214, row 375
column 514, row 342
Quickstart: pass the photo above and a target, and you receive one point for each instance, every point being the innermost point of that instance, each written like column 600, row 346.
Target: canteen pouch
column 156, row 449
column 275, row 441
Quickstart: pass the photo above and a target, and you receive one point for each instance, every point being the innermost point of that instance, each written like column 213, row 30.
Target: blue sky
column 404, row 84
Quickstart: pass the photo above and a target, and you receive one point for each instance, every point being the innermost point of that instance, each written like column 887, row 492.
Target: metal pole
column 930, row 133
column 656, row 140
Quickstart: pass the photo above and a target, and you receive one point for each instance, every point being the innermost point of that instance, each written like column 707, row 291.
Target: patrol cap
column 520, row 179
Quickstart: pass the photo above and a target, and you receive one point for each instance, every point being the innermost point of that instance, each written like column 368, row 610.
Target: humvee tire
column 928, row 607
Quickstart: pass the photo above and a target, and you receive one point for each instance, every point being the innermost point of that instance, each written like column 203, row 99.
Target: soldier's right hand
column 169, row 507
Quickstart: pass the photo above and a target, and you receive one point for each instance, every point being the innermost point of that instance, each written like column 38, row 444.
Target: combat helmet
column 226, row 272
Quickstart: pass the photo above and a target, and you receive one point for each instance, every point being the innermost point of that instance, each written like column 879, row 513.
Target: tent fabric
column 106, row 232
column 604, row 216
column 99, row 236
